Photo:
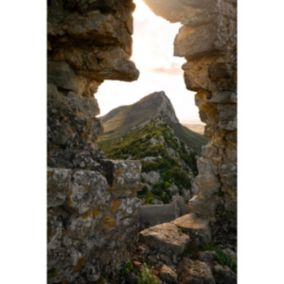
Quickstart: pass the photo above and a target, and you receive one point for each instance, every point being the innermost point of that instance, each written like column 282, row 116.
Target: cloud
column 172, row 70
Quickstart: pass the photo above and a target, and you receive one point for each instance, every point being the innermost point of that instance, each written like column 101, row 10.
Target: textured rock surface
column 168, row 274
column 197, row 228
column 207, row 40
column 90, row 226
column 165, row 238
column 195, row 272
column 180, row 251
column 224, row 275
column 92, row 204
column 88, row 42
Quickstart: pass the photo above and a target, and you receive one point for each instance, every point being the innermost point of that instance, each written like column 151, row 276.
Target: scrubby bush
column 146, row 276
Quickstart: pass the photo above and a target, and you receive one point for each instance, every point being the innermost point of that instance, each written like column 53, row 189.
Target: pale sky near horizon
column 153, row 40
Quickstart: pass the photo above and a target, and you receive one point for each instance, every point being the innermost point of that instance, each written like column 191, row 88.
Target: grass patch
column 221, row 257
column 146, row 276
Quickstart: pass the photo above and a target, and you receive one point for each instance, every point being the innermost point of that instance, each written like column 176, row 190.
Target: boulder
column 197, row 228
column 194, row 272
column 166, row 238
column 224, row 275
column 168, row 274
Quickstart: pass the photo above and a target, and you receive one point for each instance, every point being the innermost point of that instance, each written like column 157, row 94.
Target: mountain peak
column 153, row 106
column 160, row 104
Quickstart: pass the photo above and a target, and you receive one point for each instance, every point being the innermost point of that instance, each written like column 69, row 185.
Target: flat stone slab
column 191, row 222
column 166, row 238
column 197, row 228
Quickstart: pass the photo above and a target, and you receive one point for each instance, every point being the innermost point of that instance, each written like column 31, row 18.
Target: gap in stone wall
column 153, row 48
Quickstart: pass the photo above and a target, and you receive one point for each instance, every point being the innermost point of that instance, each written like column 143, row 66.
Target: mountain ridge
column 155, row 106
column 150, row 132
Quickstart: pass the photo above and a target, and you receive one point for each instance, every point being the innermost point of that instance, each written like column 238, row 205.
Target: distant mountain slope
column 123, row 119
column 149, row 131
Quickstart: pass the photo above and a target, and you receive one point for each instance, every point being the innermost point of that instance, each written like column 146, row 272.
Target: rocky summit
column 150, row 132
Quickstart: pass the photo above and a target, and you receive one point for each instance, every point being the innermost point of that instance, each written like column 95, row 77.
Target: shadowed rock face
column 88, row 42
column 122, row 119
column 207, row 40
column 92, row 202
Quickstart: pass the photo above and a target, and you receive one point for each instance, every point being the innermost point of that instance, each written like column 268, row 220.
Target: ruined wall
column 92, row 204
column 91, row 201
column 207, row 40
column 88, row 42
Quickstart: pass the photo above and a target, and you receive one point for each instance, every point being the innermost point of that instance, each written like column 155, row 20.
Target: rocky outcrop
column 88, row 42
column 121, row 120
column 165, row 238
column 90, row 221
column 92, row 204
column 181, row 251
column 191, row 272
column 207, row 40
column 153, row 107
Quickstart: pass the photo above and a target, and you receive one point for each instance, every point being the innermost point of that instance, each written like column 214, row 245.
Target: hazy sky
column 159, row 70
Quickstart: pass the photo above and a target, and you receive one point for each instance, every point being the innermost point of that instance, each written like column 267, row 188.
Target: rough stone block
column 58, row 184
column 166, row 238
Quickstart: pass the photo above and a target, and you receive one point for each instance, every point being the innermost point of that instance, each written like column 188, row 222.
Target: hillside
column 166, row 149
column 124, row 119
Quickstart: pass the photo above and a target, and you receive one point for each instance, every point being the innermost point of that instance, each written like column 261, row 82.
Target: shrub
column 128, row 267
column 221, row 257
column 146, row 276
column 149, row 198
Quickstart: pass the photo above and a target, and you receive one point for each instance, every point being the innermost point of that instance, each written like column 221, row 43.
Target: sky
column 153, row 40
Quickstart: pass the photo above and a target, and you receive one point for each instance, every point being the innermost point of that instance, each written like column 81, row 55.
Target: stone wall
column 207, row 40
column 92, row 223
column 92, row 204
column 88, row 42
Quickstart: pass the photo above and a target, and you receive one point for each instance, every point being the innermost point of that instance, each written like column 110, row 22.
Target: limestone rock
column 89, row 188
column 192, row 12
column 198, row 229
column 224, row 275
column 207, row 40
column 165, row 238
column 88, row 227
column 123, row 176
column 151, row 177
column 194, row 272
column 168, row 274
column 207, row 256
column 59, row 181
column 89, row 42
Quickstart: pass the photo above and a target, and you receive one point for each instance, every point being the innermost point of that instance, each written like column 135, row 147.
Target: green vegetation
column 143, row 274
column 128, row 268
column 221, row 257
column 146, row 276
column 169, row 156
column 190, row 137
